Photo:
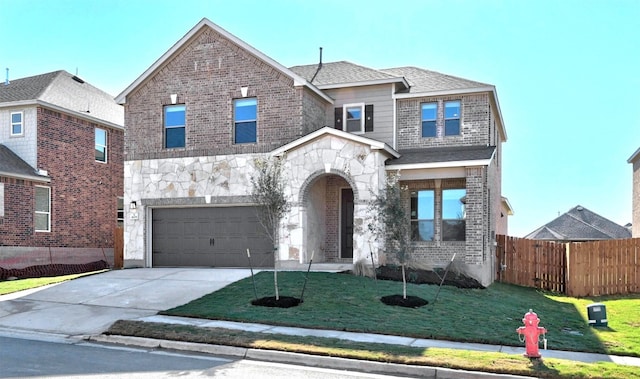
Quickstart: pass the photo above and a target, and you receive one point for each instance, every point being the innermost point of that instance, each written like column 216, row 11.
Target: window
column 359, row 118
column 353, row 115
column 42, row 219
column 429, row 115
column 17, row 128
column 174, row 126
column 120, row 212
column 101, row 145
column 422, row 214
column 453, row 214
column 245, row 113
column 452, row 118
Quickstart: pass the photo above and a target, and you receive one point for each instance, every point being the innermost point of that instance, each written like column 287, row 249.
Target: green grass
column 456, row 359
column 491, row 315
column 10, row 286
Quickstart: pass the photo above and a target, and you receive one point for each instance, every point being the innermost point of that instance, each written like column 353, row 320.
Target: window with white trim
column 245, row 117
column 422, row 215
column 101, row 145
column 42, row 217
column 453, row 214
column 17, row 123
column 353, row 114
column 452, row 118
column 429, row 112
column 174, row 126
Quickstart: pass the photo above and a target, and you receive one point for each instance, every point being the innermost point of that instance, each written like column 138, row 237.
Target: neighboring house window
column 245, row 113
column 422, row 215
column 452, row 118
column 17, row 124
column 101, row 145
column 453, row 214
column 43, row 209
column 120, row 212
column 174, row 126
column 429, row 116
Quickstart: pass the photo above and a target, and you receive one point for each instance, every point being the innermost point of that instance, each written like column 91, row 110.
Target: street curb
column 274, row 356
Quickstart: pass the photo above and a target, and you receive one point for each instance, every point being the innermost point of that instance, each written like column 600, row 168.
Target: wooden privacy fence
column 577, row 269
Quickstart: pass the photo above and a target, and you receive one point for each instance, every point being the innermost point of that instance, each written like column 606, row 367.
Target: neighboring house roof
column 206, row 23
column 64, row 92
column 345, row 74
column 634, row 156
column 13, row 166
column 580, row 224
column 450, row 156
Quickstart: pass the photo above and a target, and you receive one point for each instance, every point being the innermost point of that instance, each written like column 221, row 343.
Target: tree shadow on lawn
column 351, row 303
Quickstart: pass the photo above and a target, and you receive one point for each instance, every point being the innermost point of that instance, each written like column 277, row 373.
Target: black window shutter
column 338, row 118
column 368, row 118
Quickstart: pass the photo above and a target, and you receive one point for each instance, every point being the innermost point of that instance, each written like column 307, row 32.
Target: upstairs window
column 429, row 116
column 120, row 212
column 452, row 118
column 453, row 214
column 42, row 219
column 358, row 118
column 245, row 112
column 353, row 115
column 17, row 126
column 101, row 145
column 174, row 126
column 422, row 215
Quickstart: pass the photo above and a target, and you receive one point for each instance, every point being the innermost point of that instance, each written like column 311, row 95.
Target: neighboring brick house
column 635, row 223
column 203, row 112
column 61, row 165
column 578, row 225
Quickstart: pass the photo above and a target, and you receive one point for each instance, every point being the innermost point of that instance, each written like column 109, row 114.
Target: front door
column 346, row 223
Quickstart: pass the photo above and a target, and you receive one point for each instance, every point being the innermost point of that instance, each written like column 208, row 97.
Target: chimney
column 6, row 81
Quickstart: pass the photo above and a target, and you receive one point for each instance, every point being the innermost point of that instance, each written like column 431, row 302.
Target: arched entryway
column 328, row 201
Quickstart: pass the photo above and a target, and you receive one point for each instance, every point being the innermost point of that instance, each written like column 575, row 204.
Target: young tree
column 268, row 194
column 390, row 223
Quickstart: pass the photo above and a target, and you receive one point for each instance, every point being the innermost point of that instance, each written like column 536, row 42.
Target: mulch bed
column 41, row 271
column 418, row 276
column 409, row 302
column 282, row 302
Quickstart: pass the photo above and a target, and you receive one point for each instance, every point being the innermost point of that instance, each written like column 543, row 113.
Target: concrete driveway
column 89, row 305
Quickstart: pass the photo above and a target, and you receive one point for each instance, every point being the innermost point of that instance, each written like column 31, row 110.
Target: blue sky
column 567, row 72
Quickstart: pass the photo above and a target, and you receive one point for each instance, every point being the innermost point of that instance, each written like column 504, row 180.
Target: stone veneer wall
column 226, row 178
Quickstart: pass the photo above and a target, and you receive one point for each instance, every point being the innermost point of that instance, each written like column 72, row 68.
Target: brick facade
column 474, row 122
column 207, row 75
column 83, row 192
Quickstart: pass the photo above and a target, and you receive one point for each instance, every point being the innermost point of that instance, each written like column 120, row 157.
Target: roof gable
column 373, row 144
column 206, row 23
column 580, row 224
column 29, row 88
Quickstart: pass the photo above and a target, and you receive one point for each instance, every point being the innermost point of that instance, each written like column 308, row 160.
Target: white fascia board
column 633, row 157
column 417, row 166
column 424, row 174
column 365, row 83
column 506, row 202
column 21, row 103
column 297, row 80
column 34, row 178
column 463, row 91
column 81, row 115
column 373, row 144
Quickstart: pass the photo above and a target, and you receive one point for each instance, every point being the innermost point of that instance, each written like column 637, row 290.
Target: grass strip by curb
column 449, row 358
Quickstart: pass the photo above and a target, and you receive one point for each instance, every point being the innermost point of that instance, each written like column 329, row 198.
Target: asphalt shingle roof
column 580, row 224
column 66, row 91
column 339, row 73
column 12, row 164
column 443, row 154
column 420, row 80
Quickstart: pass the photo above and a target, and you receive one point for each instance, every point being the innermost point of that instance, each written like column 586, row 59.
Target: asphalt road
column 23, row 358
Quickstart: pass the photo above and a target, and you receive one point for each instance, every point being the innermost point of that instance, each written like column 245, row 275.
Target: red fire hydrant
column 531, row 332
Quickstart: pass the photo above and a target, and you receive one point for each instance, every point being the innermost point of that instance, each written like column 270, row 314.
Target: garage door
column 215, row 236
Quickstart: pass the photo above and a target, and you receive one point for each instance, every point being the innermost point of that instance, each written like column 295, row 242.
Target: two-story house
column 635, row 200
column 197, row 119
column 61, row 164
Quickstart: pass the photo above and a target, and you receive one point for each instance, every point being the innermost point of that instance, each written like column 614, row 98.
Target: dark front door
column 346, row 223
